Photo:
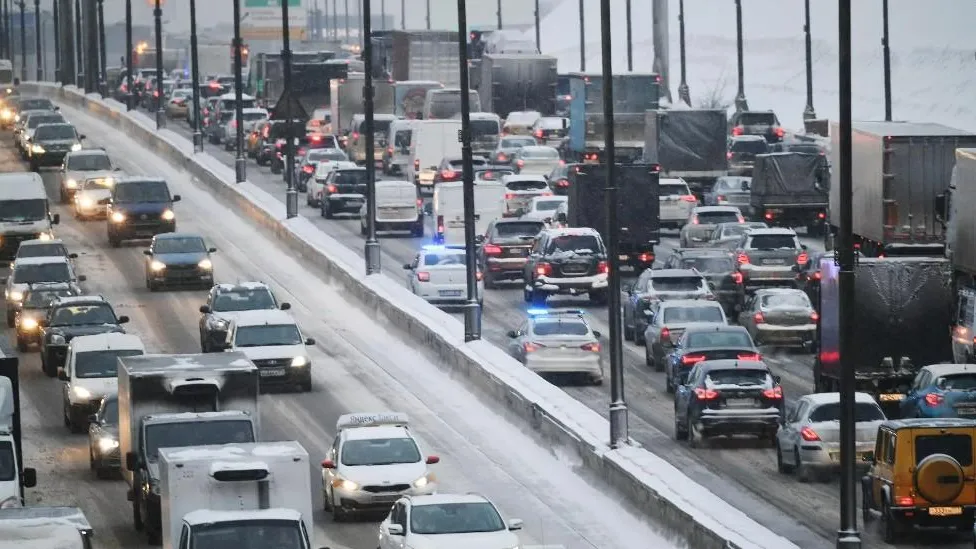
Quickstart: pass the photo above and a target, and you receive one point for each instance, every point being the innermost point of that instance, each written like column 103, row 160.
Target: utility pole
column 740, row 98
column 348, row 25
column 128, row 56
column 382, row 17
column 67, row 42
column 538, row 29
column 630, row 38
column 23, row 40
column 472, row 306
column 886, row 53
column 158, row 20
column 618, row 407
column 372, row 252
column 37, row 40
column 582, row 30
column 428, row 14
column 498, row 13
column 403, row 14
column 102, row 60
column 57, row 40
column 335, row 21
column 291, row 196
column 5, row 27
column 808, row 112
column 847, row 536
column 91, row 47
column 194, row 75
column 79, row 47
column 240, row 162
column 684, row 94
column 359, row 27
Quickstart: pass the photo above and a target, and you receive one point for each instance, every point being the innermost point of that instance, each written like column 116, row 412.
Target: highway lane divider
column 685, row 510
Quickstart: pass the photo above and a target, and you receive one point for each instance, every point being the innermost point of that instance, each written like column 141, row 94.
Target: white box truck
column 44, row 528
column 232, row 478
column 447, row 218
column 168, row 401
column 431, row 142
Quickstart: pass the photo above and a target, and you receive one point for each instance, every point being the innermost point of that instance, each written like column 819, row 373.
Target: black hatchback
column 711, row 342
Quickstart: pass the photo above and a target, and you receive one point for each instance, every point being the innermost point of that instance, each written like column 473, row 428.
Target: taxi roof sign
column 387, row 419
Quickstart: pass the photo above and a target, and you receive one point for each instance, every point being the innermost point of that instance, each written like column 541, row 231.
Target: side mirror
column 29, row 480
column 597, row 334
column 123, row 319
column 328, row 464
column 431, row 460
column 93, row 418
column 512, row 334
column 205, row 309
column 394, row 529
column 285, row 306
column 515, row 524
column 777, row 379
column 56, row 219
column 82, row 136
column 310, row 341
column 212, row 250
column 147, row 252
column 131, row 463
column 72, row 256
column 177, row 198
column 479, row 239
column 407, row 266
column 82, row 278
column 62, row 375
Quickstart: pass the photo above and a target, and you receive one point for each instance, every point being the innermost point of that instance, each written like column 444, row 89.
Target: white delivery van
column 398, row 208
column 431, row 142
column 397, row 153
column 447, row 218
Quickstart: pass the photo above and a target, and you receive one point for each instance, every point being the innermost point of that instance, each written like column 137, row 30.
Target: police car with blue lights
column 439, row 275
column 374, row 461
column 558, row 342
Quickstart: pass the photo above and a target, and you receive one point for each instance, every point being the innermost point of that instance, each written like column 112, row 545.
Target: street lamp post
column 348, row 24
column 472, row 307
column 57, row 40
column 128, row 55
column 886, row 53
column 498, row 13
column 102, row 60
column 808, row 112
column 91, row 47
column 291, row 195
column 630, row 38
column 428, row 14
column 195, row 76
column 240, row 162
column 684, row 94
column 847, row 536
column 538, row 29
column 740, row 98
column 403, row 14
column 23, row 40
column 79, row 48
column 66, row 41
column 158, row 20
column 37, row 40
column 372, row 252
column 582, row 32
column 618, row 406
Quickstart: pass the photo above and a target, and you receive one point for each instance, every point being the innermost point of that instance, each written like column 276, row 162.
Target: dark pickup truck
column 791, row 190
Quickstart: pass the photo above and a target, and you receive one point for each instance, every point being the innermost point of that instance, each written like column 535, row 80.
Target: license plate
column 271, row 372
column 622, row 257
column 740, row 402
column 449, row 293
column 774, row 262
column 891, row 397
column 520, row 252
column 945, row 511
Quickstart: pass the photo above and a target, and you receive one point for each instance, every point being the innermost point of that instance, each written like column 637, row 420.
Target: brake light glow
column 665, row 334
column 509, row 196
column 543, row 269
column 355, row 136
column 737, row 277
column 728, row 155
column 491, row 249
column 933, row 399
column 539, row 134
column 779, row 132
column 689, row 360
column 752, row 357
column 646, row 258
column 416, row 164
column 695, row 221
column 821, row 215
column 603, row 267
column 423, row 276
column 905, row 501
column 689, row 198
column 814, row 316
column 266, row 131
column 301, row 151
column 215, row 85
column 389, row 150
column 448, row 174
column 809, row 434
column 502, row 157
column 532, row 347
column 802, row 258
column 817, row 275
column 420, row 202
column 743, row 259
column 479, row 276
column 315, row 138
column 738, row 130
column 721, row 198
column 308, row 168
column 233, row 123
column 562, row 183
column 593, row 347
column 440, row 224
column 562, row 162
column 705, row 394
column 156, row 93
column 333, row 189
column 774, row 393
column 520, row 163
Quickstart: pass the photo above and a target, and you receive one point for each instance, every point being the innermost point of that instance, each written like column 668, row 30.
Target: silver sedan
column 439, row 275
column 558, row 343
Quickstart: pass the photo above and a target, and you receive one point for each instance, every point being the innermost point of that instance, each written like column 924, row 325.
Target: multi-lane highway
column 358, row 367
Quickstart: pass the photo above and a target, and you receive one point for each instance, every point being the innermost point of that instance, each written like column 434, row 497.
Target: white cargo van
column 431, row 142
column 447, row 218
column 397, row 153
column 398, row 208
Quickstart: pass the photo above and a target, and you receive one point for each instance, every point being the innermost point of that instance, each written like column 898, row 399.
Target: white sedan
column 447, row 520
column 88, row 197
column 543, row 208
column 439, row 275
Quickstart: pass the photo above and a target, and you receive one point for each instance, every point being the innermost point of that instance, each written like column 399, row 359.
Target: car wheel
column 628, row 332
column 306, row 385
column 803, row 473
column 338, row 513
column 866, row 514
column 891, row 530
column 694, row 437
column 639, row 336
column 680, row 431
column 327, row 210
column 527, row 294
column 782, row 466
column 22, row 345
column 668, row 385
column 137, row 515
column 598, row 297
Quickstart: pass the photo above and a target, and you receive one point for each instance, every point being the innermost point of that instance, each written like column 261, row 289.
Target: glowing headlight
column 58, row 339
column 45, row 236
column 71, row 184
column 11, row 502
column 76, row 147
column 6, row 114
column 220, row 324
column 86, row 202
column 37, row 149
column 343, row 484
column 423, row 481
column 106, row 444
column 157, row 266
column 17, row 118
column 205, row 264
column 28, row 324
column 118, row 217
column 81, row 392
column 168, row 215
column 299, row 361
column 16, row 296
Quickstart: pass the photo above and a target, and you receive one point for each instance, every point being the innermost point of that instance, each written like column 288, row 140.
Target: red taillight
column 448, row 174
column 440, row 224
column 646, row 258
column 705, row 394
column 543, row 269
column 776, row 393
column 420, row 202
column 737, row 277
column 721, row 198
column 539, row 134
column 728, row 155
column 416, row 164
column 594, row 347
column 814, row 316
column 758, row 318
column 423, row 276
column 809, row 434
column 301, row 151
column 769, row 216
column 933, row 399
column 562, row 183
column 355, row 136
column 690, row 198
column 802, row 258
column 665, row 335
column 502, row 157
column 817, row 275
column 562, row 162
column 491, row 249
column 479, row 276
column 743, row 259
column 233, row 123
column 821, row 215
column 215, row 85
column 266, row 131
column 689, row 360
column 389, row 151
column 694, row 220
column 520, row 163
column 308, row 169
column 532, row 347
column 780, row 132
column 315, row 138
column 155, row 94
column 333, row 189
column 124, row 88
column 753, row 357
column 905, row 501
column 738, row 130
column 509, row 196
column 602, row 267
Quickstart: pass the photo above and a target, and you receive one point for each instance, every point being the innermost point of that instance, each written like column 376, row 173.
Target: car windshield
column 380, row 451
column 188, row 245
column 709, row 265
column 559, row 327
column 93, row 364
column 739, row 229
column 958, row 382
column 774, row 242
column 805, row 149
column 792, row 300
column 958, row 446
column 757, row 119
column 55, row 131
column 444, row 258
column 318, row 155
column 7, row 469
column 733, row 185
column 547, row 205
column 36, row 121
column 578, row 243
column 455, row 518
column 110, row 413
column 183, row 434
column 458, row 163
column 268, row 335
column 484, row 128
column 677, row 284
column 141, row 191
column 98, row 184
column 243, row 300
column 750, row 146
column 23, row 210
column 515, row 230
column 545, row 153
column 863, row 411
column 41, row 299
column 674, row 190
column 36, row 105
column 83, row 315
column 41, row 272
column 719, row 339
column 517, row 142
column 714, row 218
column 682, row 315
column 526, row 185
column 250, row 534
column 737, row 376
column 54, row 249
column 351, row 177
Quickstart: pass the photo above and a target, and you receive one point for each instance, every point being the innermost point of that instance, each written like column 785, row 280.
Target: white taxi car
column 272, row 340
column 374, row 461
column 439, row 275
column 447, row 520
column 316, row 184
column 89, row 195
column 91, row 372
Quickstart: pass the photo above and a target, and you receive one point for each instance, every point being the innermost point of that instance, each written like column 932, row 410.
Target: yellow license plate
column 945, row 511
column 891, row 397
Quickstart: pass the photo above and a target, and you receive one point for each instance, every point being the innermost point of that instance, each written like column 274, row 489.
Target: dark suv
column 762, row 123
column 505, row 249
column 658, row 285
column 569, row 261
column 344, row 191
column 718, row 268
column 70, row 317
column 742, row 153
column 139, row 208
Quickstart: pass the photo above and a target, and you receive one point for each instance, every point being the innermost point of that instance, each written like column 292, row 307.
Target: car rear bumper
column 795, row 335
column 569, row 284
column 505, row 266
column 345, row 202
column 739, row 421
column 590, row 365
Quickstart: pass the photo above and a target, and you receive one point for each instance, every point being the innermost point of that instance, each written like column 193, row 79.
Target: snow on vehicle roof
column 717, row 209
column 524, row 177
column 39, row 242
column 218, row 466
column 772, row 231
column 40, row 260
column 212, row 362
column 197, row 416
column 374, row 433
column 38, row 534
column 672, row 181
column 196, row 518
column 236, row 451
column 263, row 317
column 107, row 341
column 697, row 303
column 225, row 287
column 48, row 515
column 573, row 231
column 819, row 399
column 252, row 110
column 668, row 273
column 77, row 299
column 441, row 499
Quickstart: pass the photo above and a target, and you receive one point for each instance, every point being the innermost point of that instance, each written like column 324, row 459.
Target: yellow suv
column 922, row 475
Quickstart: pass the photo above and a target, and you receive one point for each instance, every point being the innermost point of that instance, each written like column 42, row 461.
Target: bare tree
column 717, row 96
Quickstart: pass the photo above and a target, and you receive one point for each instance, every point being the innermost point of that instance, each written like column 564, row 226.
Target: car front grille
column 387, row 488
column 272, row 362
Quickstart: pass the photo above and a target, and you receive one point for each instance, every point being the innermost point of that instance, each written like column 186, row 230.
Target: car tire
column 628, row 332
column 338, row 513
column 306, row 386
column 418, row 231
column 803, row 473
column 114, row 241
column 327, row 210
column 680, row 432
column 639, row 336
column 866, row 514
column 137, row 515
column 275, row 169
column 694, row 437
column 489, row 282
column 891, row 531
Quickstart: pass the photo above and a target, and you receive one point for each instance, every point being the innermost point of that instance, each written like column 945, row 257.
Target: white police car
column 374, row 461
column 439, row 275
column 558, row 342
